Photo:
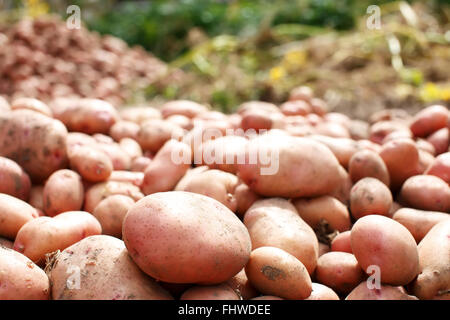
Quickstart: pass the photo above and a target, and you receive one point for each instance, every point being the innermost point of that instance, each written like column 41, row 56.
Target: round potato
column 14, row 213
column 206, row 242
column 111, row 211
column 367, row 163
column 429, row 120
column 14, row 181
column 342, row 242
column 92, row 164
column 153, row 134
column 131, row 147
column 370, row 196
column 386, row 244
column 213, row 292
column 273, row 271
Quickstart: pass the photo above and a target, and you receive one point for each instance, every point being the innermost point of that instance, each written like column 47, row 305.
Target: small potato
column 139, row 164
column 13, row 180
column 440, row 167
column 385, row 292
column 429, row 120
column 370, row 196
column 257, row 105
column 124, row 129
column 323, row 209
column 380, row 130
column 244, row 198
column 167, row 168
column 181, row 121
column 342, row 242
column 275, row 222
column 101, row 255
column 32, row 104
column 302, row 93
column 367, row 163
column 321, row 292
column 92, row 164
column 380, row 241
column 139, row 114
column 111, row 211
column 153, row 134
column 186, row 108
column 339, row 270
column 426, row 193
column 36, row 199
column 120, row 160
column 102, row 190
column 419, row 222
column 131, row 147
column 216, row 292
column 14, row 213
column 240, row 284
column 63, row 191
column 257, row 120
column 20, row 278
column 433, row 280
column 424, row 145
column 44, row 235
column 440, row 140
column 359, row 130
column 273, row 271
column 295, row 108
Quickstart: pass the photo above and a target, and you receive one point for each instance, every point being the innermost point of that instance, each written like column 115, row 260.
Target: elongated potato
column 384, row 292
column 167, row 168
column 321, row 292
column 275, row 223
column 274, row 271
column 429, row 120
column 214, row 292
column 14, row 213
column 74, row 273
column 386, row 244
column 111, row 211
column 92, row 164
column 20, row 278
column 433, row 280
column 323, row 209
column 370, row 196
column 44, row 235
column 63, row 191
column 367, row 163
column 183, row 237
column 419, row 222
column 13, row 180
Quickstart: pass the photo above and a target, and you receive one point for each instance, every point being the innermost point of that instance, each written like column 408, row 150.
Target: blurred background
column 223, row 53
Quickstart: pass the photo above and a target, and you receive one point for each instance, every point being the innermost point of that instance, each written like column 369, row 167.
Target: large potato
column 274, row 271
column 44, row 235
column 63, row 191
column 382, row 242
column 184, row 237
column 433, row 280
column 13, row 180
column 14, row 213
column 36, row 142
column 100, row 268
column 370, row 196
column 384, row 292
column 20, row 278
column 367, row 163
column 275, row 223
column 289, row 167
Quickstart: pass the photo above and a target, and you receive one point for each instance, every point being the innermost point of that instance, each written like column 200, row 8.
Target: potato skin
column 186, row 108
column 21, row 279
column 322, row 292
column 342, row 242
column 44, row 235
column 381, row 241
column 339, row 270
column 370, row 196
column 111, row 211
column 367, row 163
column 385, row 292
column 31, row 104
column 121, row 279
column 36, row 198
column 20, row 129
column 214, row 292
column 92, row 164
column 14, row 213
column 316, row 210
column 274, row 271
column 275, row 222
column 153, row 134
column 440, row 167
column 14, row 181
column 244, row 198
column 153, row 230
column 426, row 192
column 300, row 163
column 434, row 256
column 63, row 192
column 419, row 222
column 429, row 120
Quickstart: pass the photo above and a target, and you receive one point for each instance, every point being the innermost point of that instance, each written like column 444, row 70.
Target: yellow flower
column 36, row 8
column 276, row 73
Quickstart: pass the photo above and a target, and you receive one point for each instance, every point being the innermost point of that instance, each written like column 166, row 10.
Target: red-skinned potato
column 429, row 120
column 121, row 279
column 136, row 178
column 433, row 280
column 323, row 209
column 321, row 292
column 31, row 104
column 110, row 213
column 181, row 121
column 342, row 242
column 342, row 148
column 426, row 192
column 323, row 248
column 425, row 160
column 244, row 198
column 370, row 196
column 120, row 160
column 440, row 167
column 302, row 93
column 139, row 164
column 367, row 163
column 124, row 129
column 380, row 130
column 380, row 241
column 268, row 222
column 385, row 292
column 21, row 279
column 36, row 198
column 419, row 222
column 214, row 292
column 295, row 108
column 440, row 140
column 339, row 270
column 274, row 271
column 139, row 114
column 131, row 147
column 44, row 235
column 14, row 213
column 158, row 239
column 342, row 190
column 153, row 134
column 63, row 191
column 92, row 164
column 186, row 108
column 14, row 181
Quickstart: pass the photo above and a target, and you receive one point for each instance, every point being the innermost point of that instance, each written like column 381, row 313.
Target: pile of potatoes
column 44, row 59
column 105, row 203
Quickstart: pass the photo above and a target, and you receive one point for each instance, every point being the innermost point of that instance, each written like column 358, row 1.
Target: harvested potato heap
column 181, row 202
column 44, row 59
